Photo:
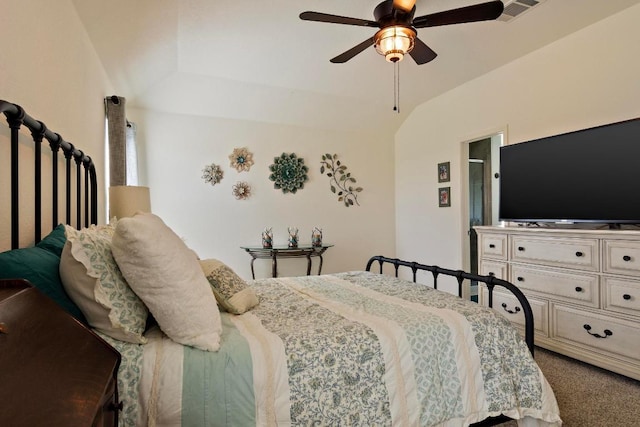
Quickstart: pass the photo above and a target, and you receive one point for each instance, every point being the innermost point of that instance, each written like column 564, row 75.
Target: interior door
column 476, row 207
column 482, row 205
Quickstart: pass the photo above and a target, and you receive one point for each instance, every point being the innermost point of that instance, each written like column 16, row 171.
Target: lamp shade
column 126, row 200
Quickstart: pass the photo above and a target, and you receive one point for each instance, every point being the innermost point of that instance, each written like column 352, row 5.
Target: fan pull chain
column 396, row 87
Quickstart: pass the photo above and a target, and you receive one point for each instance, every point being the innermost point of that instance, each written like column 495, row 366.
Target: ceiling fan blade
column 478, row 12
column 335, row 19
column 421, row 53
column 404, row 5
column 344, row 57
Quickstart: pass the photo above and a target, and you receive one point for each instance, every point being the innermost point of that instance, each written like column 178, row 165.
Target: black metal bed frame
column 16, row 118
column 461, row 276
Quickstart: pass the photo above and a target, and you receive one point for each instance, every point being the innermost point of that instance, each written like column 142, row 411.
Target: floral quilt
column 348, row 349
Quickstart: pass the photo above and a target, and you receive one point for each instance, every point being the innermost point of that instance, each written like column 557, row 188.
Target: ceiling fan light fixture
column 394, row 42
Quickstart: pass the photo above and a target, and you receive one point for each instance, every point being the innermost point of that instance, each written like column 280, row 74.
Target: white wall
column 175, row 148
column 49, row 67
column 586, row 79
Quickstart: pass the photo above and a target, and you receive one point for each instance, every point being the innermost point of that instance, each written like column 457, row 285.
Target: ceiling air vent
column 515, row 8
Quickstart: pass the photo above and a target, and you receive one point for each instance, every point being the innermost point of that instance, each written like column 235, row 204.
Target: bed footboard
column 461, row 276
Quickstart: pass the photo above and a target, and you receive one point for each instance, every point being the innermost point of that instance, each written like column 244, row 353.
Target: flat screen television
column 591, row 175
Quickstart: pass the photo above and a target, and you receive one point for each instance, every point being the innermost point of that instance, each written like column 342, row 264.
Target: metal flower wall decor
column 212, row 174
column 241, row 159
column 288, row 173
column 241, row 190
column 341, row 180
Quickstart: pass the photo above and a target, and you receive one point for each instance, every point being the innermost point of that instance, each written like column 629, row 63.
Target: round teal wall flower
column 288, row 173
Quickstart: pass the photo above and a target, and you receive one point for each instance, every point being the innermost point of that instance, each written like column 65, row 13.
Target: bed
column 356, row 348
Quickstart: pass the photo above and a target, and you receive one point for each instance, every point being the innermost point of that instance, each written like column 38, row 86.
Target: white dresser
column 583, row 287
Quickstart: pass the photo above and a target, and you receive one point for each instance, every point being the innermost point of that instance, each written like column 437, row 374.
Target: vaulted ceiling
column 256, row 60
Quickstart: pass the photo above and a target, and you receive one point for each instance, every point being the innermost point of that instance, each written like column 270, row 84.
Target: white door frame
column 464, row 190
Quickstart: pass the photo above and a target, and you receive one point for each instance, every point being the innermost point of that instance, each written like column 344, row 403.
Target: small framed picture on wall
column 444, row 197
column 443, row 172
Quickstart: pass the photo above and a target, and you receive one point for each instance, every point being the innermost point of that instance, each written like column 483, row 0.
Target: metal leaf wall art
column 341, row 181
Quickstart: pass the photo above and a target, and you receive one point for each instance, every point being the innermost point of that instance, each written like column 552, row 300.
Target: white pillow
column 91, row 278
column 166, row 275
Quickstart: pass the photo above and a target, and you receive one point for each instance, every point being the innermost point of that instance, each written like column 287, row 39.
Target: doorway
column 483, row 165
column 478, row 208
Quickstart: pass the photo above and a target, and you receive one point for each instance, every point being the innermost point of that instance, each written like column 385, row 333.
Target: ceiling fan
column 397, row 34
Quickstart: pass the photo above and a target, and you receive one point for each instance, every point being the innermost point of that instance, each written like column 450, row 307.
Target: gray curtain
column 117, row 133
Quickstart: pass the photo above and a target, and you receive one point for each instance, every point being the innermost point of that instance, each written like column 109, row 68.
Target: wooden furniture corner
column 54, row 370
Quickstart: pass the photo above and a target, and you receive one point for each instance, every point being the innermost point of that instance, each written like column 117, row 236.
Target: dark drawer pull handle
column 516, row 310
column 521, row 248
column 578, row 289
column 607, row 332
column 116, row 407
column 579, row 254
column 491, row 245
column 626, row 296
column 626, row 258
column 3, row 328
column 520, row 279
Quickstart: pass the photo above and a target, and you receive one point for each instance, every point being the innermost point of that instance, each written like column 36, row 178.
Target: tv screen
column 591, row 175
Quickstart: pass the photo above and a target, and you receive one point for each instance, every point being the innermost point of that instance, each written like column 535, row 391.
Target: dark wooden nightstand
column 54, row 371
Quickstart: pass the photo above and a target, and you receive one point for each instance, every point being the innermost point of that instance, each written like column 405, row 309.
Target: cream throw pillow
column 166, row 275
column 93, row 281
column 231, row 292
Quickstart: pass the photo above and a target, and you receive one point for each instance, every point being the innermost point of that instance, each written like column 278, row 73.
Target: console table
column 302, row 251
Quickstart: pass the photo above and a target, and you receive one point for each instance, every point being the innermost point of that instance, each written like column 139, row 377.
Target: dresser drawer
column 595, row 331
column 580, row 254
column 572, row 278
column 108, row 414
column 494, row 268
column 493, row 246
column 571, row 287
column 621, row 295
column 621, row 256
column 509, row 306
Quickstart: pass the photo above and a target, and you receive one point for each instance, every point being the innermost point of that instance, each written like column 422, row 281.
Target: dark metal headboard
column 461, row 276
column 86, row 190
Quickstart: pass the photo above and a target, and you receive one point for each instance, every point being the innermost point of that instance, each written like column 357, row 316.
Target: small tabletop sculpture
column 267, row 238
column 293, row 237
column 316, row 237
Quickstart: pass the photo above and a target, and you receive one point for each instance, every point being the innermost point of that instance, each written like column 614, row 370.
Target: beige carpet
column 589, row 396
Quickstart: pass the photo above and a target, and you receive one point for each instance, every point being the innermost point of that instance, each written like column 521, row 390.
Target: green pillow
column 54, row 241
column 40, row 267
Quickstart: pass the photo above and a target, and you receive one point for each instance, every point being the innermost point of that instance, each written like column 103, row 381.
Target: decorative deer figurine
column 267, row 238
column 293, row 237
column 316, row 237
